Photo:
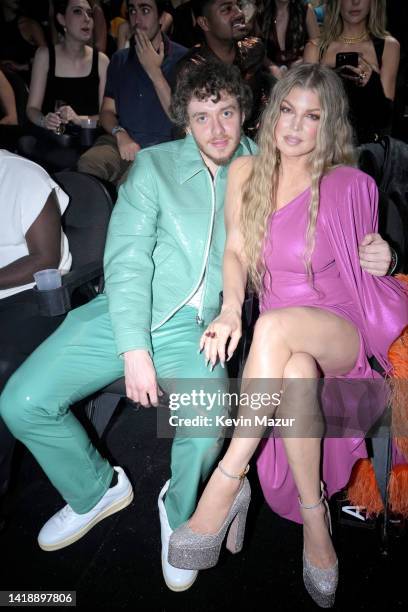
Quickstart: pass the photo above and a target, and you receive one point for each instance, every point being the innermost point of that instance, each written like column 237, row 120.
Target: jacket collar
column 191, row 163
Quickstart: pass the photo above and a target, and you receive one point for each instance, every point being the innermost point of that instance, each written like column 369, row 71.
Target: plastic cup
column 88, row 123
column 88, row 132
column 48, row 279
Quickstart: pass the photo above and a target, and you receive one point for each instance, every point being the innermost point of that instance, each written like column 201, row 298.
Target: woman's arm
column 228, row 323
column 8, row 102
column 311, row 52
column 234, row 264
column 37, row 88
column 389, row 68
column 312, row 27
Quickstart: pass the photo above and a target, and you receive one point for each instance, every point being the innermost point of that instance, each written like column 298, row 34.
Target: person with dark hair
column 20, row 36
column 163, row 279
column 286, row 26
column 67, row 85
column 185, row 30
column 125, row 31
column 225, row 40
column 137, row 96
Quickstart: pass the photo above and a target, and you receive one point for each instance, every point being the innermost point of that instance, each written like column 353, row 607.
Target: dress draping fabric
column 377, row 306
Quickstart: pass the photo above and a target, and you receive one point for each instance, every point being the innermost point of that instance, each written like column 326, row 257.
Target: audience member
column 125, row 29
column 358, row 27
column 67, row 87
column 185, row 29
column 99, row 28
column 19, row 38
column 31, row 205
column 9, row 130
column 286, row 27
column 224, row 29
column 137, row 95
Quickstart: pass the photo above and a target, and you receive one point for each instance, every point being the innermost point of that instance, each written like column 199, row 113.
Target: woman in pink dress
column 295, row 215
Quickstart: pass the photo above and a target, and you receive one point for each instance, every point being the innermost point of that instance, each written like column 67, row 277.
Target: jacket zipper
column 199, row 319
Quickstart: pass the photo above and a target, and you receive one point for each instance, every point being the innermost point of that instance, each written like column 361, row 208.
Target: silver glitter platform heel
column 196, row 551
column 321, row 584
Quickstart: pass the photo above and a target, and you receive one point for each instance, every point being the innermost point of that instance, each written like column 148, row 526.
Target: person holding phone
column 355, row 42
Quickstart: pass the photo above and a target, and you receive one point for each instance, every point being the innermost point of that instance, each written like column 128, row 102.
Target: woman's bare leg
column 287, row 343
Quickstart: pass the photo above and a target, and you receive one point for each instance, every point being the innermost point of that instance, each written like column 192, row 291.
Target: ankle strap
column 239, row 477
column 313, row 505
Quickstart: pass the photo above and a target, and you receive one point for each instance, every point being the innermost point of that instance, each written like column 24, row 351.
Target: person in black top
column 286, row 26
column 359, row 26
column 67, row 86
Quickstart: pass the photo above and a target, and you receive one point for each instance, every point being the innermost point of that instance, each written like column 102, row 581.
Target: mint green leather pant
column 75, row 362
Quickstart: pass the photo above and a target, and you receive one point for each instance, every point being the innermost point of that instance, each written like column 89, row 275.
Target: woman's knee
column 274, row 326
column 301, row 365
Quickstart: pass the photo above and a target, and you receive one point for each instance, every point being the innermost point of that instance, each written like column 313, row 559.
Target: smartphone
column 347, row 59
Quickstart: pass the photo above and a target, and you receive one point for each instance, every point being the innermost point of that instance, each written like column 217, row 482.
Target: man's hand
column 128, row 148
column 140, row 378
column 150, row 59
column 375, row 255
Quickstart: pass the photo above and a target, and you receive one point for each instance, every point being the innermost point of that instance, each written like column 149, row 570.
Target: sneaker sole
column 119, row 505
column 178, row 589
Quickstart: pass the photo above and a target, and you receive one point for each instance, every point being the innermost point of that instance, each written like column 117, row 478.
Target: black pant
column 22, row 329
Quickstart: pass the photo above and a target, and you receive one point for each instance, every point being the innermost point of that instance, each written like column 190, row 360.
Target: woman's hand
column 361, row 73
column 68, row 114
column 214, row 339
column 51, row 121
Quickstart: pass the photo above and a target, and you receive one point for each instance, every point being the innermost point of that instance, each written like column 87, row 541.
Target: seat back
column 86, row 219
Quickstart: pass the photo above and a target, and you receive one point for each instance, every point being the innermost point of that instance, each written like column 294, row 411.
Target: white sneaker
column 176, row 579
column 66, row 526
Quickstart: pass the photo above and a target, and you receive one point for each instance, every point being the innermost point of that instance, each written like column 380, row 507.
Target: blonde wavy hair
column 333, row 148
column 333, row 23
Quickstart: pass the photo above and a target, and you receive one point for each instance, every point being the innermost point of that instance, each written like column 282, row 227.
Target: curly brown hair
column 204, row 81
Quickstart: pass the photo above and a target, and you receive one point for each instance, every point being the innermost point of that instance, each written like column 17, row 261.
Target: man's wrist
column 155, row 74
column 117, row 129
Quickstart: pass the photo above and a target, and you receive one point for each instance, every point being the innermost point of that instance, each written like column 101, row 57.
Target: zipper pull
column 199, row 320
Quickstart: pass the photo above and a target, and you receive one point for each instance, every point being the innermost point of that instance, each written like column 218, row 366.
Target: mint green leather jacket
column 166, row 231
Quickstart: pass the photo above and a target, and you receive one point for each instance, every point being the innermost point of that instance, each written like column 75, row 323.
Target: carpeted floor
column 117, row 565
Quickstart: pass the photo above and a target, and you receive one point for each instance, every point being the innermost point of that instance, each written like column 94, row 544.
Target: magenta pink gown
column 377, row 306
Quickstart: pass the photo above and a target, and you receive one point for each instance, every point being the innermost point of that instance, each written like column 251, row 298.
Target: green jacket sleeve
column 128, row 259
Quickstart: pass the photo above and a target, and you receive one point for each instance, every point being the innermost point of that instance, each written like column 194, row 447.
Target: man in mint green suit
column 163, row 274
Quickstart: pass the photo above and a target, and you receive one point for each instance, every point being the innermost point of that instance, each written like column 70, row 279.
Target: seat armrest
column 58, row 301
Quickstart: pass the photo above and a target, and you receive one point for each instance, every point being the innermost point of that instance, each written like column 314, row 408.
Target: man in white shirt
column 31, row 239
